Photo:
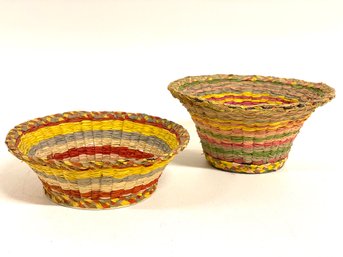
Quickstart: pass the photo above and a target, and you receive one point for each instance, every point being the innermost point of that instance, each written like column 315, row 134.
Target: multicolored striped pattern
column 97, row 159
column 248, row 123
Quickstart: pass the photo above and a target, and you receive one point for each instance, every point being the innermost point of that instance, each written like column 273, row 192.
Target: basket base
column 245, row 168
column 87, row 203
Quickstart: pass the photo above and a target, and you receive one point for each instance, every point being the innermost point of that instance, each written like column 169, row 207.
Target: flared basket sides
column 98, row 160
column 243, row 147
column 247, row 138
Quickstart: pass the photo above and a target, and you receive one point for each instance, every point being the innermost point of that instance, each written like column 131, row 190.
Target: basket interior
column 98, row 140
column 250, row 91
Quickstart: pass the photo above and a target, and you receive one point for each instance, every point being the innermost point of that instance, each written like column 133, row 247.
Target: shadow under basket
column 247, row 123
column 97, row 159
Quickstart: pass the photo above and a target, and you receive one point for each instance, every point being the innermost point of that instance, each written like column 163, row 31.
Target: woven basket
column 248, row 123
column 97, row 159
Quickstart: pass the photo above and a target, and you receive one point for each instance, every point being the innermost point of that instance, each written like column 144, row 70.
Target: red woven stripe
column 96, row 195
column 107, row 149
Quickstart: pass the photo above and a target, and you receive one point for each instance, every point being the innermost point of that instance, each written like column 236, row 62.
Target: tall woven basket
column 97, row 159
column 248, row 123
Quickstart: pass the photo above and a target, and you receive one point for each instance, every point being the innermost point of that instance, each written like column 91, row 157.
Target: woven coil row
column 248, row 123
column 97, row 159
column 100, row 160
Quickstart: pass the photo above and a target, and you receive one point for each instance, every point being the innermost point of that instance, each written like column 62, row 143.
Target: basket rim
column 15, row 134
column 173, row 87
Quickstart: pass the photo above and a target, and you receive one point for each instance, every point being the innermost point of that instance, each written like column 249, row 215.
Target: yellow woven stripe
column 245, row 168
column 249, row 94
column 235, row 100
column 116, row 173
column 126, row 185
column 125, row 203
column 30, row 139
column 242, row 123
column 247, row 127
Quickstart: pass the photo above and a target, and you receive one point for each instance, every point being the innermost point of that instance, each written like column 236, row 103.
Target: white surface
column 59, row 56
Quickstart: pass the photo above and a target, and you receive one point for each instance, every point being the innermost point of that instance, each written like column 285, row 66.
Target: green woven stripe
column 256, row 91
column 258, row 153
column 244, row 89
column 242, row 139
column 214, row 81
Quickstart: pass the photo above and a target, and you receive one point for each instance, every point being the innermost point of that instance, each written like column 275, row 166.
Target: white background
column 60, row 56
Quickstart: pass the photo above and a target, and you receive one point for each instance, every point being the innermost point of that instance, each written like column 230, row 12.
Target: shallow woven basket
column 97, row 159
column 248, row 123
